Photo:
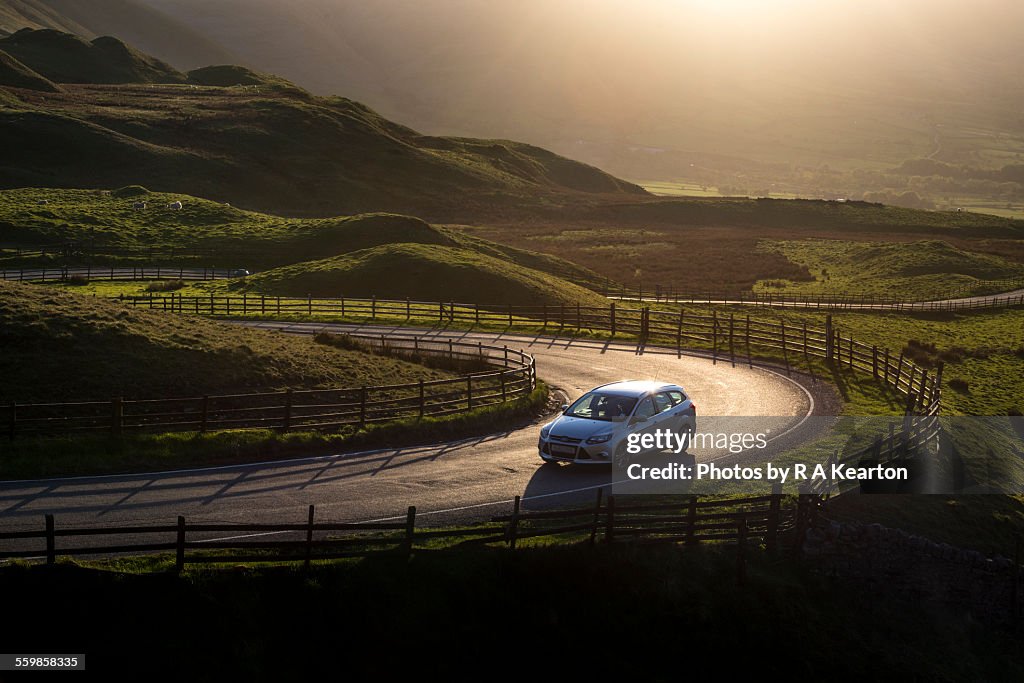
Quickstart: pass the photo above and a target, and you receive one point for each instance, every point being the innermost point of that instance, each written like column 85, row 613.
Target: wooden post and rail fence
column 768, row 522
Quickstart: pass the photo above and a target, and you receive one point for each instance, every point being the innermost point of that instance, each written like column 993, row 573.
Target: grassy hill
column 259, row 146
column 67, row 58
column 428, row 272
column 907, row 269
column 226, row 75
column 60, row 347
column 225, row 235
column 14, row 74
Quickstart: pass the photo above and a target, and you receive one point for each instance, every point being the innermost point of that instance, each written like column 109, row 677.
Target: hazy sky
column 734, row 76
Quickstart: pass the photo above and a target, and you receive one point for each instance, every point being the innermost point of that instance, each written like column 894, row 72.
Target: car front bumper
column 551, row 450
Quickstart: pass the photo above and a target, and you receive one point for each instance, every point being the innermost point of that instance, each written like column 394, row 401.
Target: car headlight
column 599, row 438
column 544, row 431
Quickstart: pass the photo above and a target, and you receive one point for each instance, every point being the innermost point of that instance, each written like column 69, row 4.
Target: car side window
column 646, row 408
column 677, row 397
column 663, row 401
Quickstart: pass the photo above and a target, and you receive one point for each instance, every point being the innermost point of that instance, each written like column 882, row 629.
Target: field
column 736, row 256
column 431, row 272
column 919, row 270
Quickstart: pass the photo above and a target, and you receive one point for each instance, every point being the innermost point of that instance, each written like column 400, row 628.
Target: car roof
column 635, row 387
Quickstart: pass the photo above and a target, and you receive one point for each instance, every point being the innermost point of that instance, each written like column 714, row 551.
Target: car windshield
column 601, row 406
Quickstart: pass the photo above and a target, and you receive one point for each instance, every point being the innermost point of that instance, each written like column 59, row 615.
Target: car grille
column 565, row 439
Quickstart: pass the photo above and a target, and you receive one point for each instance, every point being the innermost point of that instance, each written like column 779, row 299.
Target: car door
column 647, row 412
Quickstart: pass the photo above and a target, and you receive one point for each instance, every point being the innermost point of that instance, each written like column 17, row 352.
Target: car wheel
column 622, row 458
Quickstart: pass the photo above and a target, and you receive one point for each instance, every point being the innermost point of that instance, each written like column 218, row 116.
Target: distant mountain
column 154, row 31
column 66, row 58
column 658, row 88
column 263, row 144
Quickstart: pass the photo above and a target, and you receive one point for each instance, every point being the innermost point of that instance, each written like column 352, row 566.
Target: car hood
column 579, row 428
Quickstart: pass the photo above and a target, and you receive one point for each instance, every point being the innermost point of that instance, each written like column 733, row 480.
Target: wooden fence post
column 179, row 556
column 750, row 360
column 362, row 406
column 309, row 540
column 785, row 351
column 423, row 405
column 679, row 335
column 597, row 517
column 691, row 522
column 469, row 392
column 51, row 541
column 732, row 331
column 410, row 529
column 513, row 524
column 714, row 337
column 828, row 337
column 611, row 316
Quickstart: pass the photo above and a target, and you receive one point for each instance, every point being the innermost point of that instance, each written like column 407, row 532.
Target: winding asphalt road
column 461, row 481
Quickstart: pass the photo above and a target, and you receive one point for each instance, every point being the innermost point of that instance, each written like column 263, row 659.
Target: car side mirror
column 565, row 407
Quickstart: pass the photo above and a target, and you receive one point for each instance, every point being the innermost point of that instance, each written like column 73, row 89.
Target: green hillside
column 267, row 148
column 906, row 269
column 14, row 74
column 226, row 75
column 66, row 58
column 59, row 346
column 425, row 272
column 107, row 223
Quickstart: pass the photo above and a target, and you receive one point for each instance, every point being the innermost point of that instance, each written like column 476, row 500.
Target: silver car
column 595, row 429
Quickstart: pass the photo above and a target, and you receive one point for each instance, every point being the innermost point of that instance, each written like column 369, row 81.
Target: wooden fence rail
column 511, row 375
column 953, row 300
column 760, row 520
column 959, row 298
column 729, row 337
column 725, row 338
column 115, row 274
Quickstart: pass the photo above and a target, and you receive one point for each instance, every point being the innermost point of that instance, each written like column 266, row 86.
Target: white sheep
column 139, row 206
column 43, row 202
column 174, row 206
